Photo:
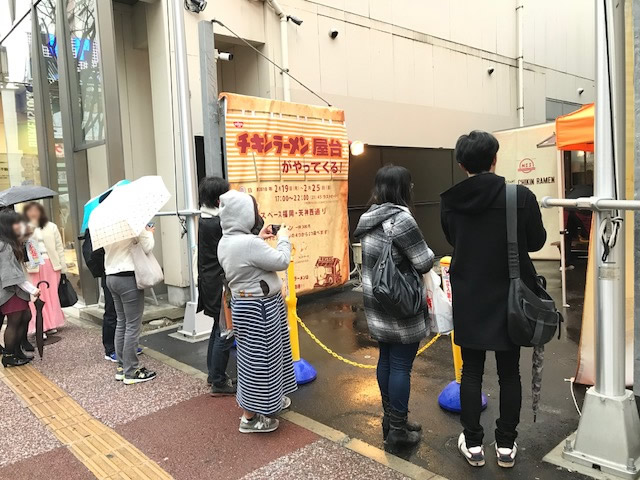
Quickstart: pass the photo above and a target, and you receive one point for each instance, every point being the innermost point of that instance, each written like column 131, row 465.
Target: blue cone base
column 305, row 373
column 449, row 398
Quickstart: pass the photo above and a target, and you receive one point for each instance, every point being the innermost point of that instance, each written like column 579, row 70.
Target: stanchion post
column 449, row 398
column 305, row 372
column 292, row 311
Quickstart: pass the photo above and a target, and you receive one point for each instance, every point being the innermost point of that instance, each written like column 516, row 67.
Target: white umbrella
column 125, row 213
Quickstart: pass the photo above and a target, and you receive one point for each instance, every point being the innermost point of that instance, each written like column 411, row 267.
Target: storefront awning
column 575, row 131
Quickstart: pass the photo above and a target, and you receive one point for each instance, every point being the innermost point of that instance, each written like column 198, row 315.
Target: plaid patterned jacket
column 408, row 247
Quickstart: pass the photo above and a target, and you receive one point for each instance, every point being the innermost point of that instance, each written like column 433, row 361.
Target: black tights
column 17, row 325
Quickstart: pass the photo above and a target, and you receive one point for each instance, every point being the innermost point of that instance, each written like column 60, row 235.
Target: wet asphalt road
column 347, row 398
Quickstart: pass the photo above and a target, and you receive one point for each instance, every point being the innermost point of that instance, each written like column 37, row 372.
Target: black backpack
column 93, row 259
column 401, row 294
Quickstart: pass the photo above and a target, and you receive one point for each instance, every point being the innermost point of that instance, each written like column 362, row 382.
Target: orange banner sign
column 294, row 159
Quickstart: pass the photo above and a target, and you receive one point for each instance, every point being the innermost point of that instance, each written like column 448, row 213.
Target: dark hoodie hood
column 373, row 217
column 474, row 194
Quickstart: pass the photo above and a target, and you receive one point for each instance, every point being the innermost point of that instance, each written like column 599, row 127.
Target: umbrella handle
column 41, row 282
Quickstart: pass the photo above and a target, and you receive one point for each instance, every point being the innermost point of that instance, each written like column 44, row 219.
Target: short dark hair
column 43, row 214
column 210, row 190
column 476, row 151
column 393, row 185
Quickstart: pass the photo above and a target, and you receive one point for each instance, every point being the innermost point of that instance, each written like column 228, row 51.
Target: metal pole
column 608, row 436
column 563, row 230
column 520, row 26
column 284, row 47
column 211, row 109
column 188, row 160
column 609, row 183
column 636, row 76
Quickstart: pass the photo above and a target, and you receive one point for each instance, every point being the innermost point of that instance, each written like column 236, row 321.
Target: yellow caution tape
column 351, row 362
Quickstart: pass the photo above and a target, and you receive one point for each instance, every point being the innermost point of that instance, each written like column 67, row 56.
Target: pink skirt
column 52, row 315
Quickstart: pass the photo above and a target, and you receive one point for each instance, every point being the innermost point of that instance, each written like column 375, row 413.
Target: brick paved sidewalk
column 66, row 417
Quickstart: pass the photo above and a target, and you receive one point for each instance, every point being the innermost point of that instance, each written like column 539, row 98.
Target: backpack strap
column 387, row 228
column 513, row 256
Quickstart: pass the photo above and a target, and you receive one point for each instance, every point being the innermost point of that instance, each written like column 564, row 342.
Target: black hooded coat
column 474, row 222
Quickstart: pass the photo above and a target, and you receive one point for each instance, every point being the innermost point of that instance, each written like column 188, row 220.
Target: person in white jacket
column 47, row 262
column 129, row 302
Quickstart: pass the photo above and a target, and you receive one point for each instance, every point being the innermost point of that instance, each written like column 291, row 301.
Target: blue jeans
column 218, row 355
column 394, row 373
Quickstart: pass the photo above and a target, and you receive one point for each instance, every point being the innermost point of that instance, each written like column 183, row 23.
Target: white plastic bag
column 440, row 310
column 146, row 268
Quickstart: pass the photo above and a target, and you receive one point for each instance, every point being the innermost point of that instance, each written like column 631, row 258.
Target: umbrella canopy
column 24, row 193
column 575, row 131
column 90, row 206
column 127, row 210
column 536, row 378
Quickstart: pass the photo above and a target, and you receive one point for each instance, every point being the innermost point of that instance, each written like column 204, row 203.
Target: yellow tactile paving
column 105, row 453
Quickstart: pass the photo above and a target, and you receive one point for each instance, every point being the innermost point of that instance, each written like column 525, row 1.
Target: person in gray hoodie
column 398, row 337
column 265, row 363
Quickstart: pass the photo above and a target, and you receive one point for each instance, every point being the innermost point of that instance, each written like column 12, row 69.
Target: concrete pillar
column 168, row 157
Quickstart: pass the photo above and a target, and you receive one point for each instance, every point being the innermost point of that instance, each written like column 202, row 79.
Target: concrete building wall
column 407, row 72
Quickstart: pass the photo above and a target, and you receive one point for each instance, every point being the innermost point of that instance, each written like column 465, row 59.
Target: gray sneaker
column 258, row 424
column 473, row 455
column 507, row 456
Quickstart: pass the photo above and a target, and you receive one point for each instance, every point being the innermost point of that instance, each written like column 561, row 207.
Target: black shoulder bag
column 400, row 294
column 532, row 316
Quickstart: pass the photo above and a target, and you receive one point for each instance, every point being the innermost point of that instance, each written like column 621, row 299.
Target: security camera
column 491, row 70
column 580, row 91
column 225, row 56
column 333, row 33
column 294, row 19
column 195, row 6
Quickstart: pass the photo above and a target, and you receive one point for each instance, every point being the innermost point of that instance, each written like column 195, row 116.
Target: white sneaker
column 473, row 455
column 258, row 424
column 507, row 456
column 286, row 402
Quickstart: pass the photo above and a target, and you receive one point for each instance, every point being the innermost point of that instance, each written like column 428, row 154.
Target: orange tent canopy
column 575, row 131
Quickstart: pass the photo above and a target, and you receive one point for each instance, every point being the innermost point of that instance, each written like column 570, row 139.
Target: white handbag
column 440, row 310
column 147, row 269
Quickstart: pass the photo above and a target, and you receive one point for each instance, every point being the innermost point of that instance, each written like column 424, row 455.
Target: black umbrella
column 39, row 327
column 537, row 365
column 24, row 193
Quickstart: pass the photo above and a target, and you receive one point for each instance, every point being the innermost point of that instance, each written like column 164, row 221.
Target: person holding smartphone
column 265, row 363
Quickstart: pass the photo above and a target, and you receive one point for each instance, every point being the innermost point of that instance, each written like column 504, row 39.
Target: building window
column 556, row 108
column 86, row 77
column 18, row 140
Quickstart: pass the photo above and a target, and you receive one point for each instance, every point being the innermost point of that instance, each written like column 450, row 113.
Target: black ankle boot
column 386, row 407
column 22, row 356
column 400, row 436
column 10, row 360
column 27, row 347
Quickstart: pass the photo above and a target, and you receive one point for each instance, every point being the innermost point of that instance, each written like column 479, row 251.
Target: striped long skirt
column 265, row 364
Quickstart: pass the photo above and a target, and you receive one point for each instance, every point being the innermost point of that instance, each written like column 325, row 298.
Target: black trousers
column 471, row 396
column 109, row 320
